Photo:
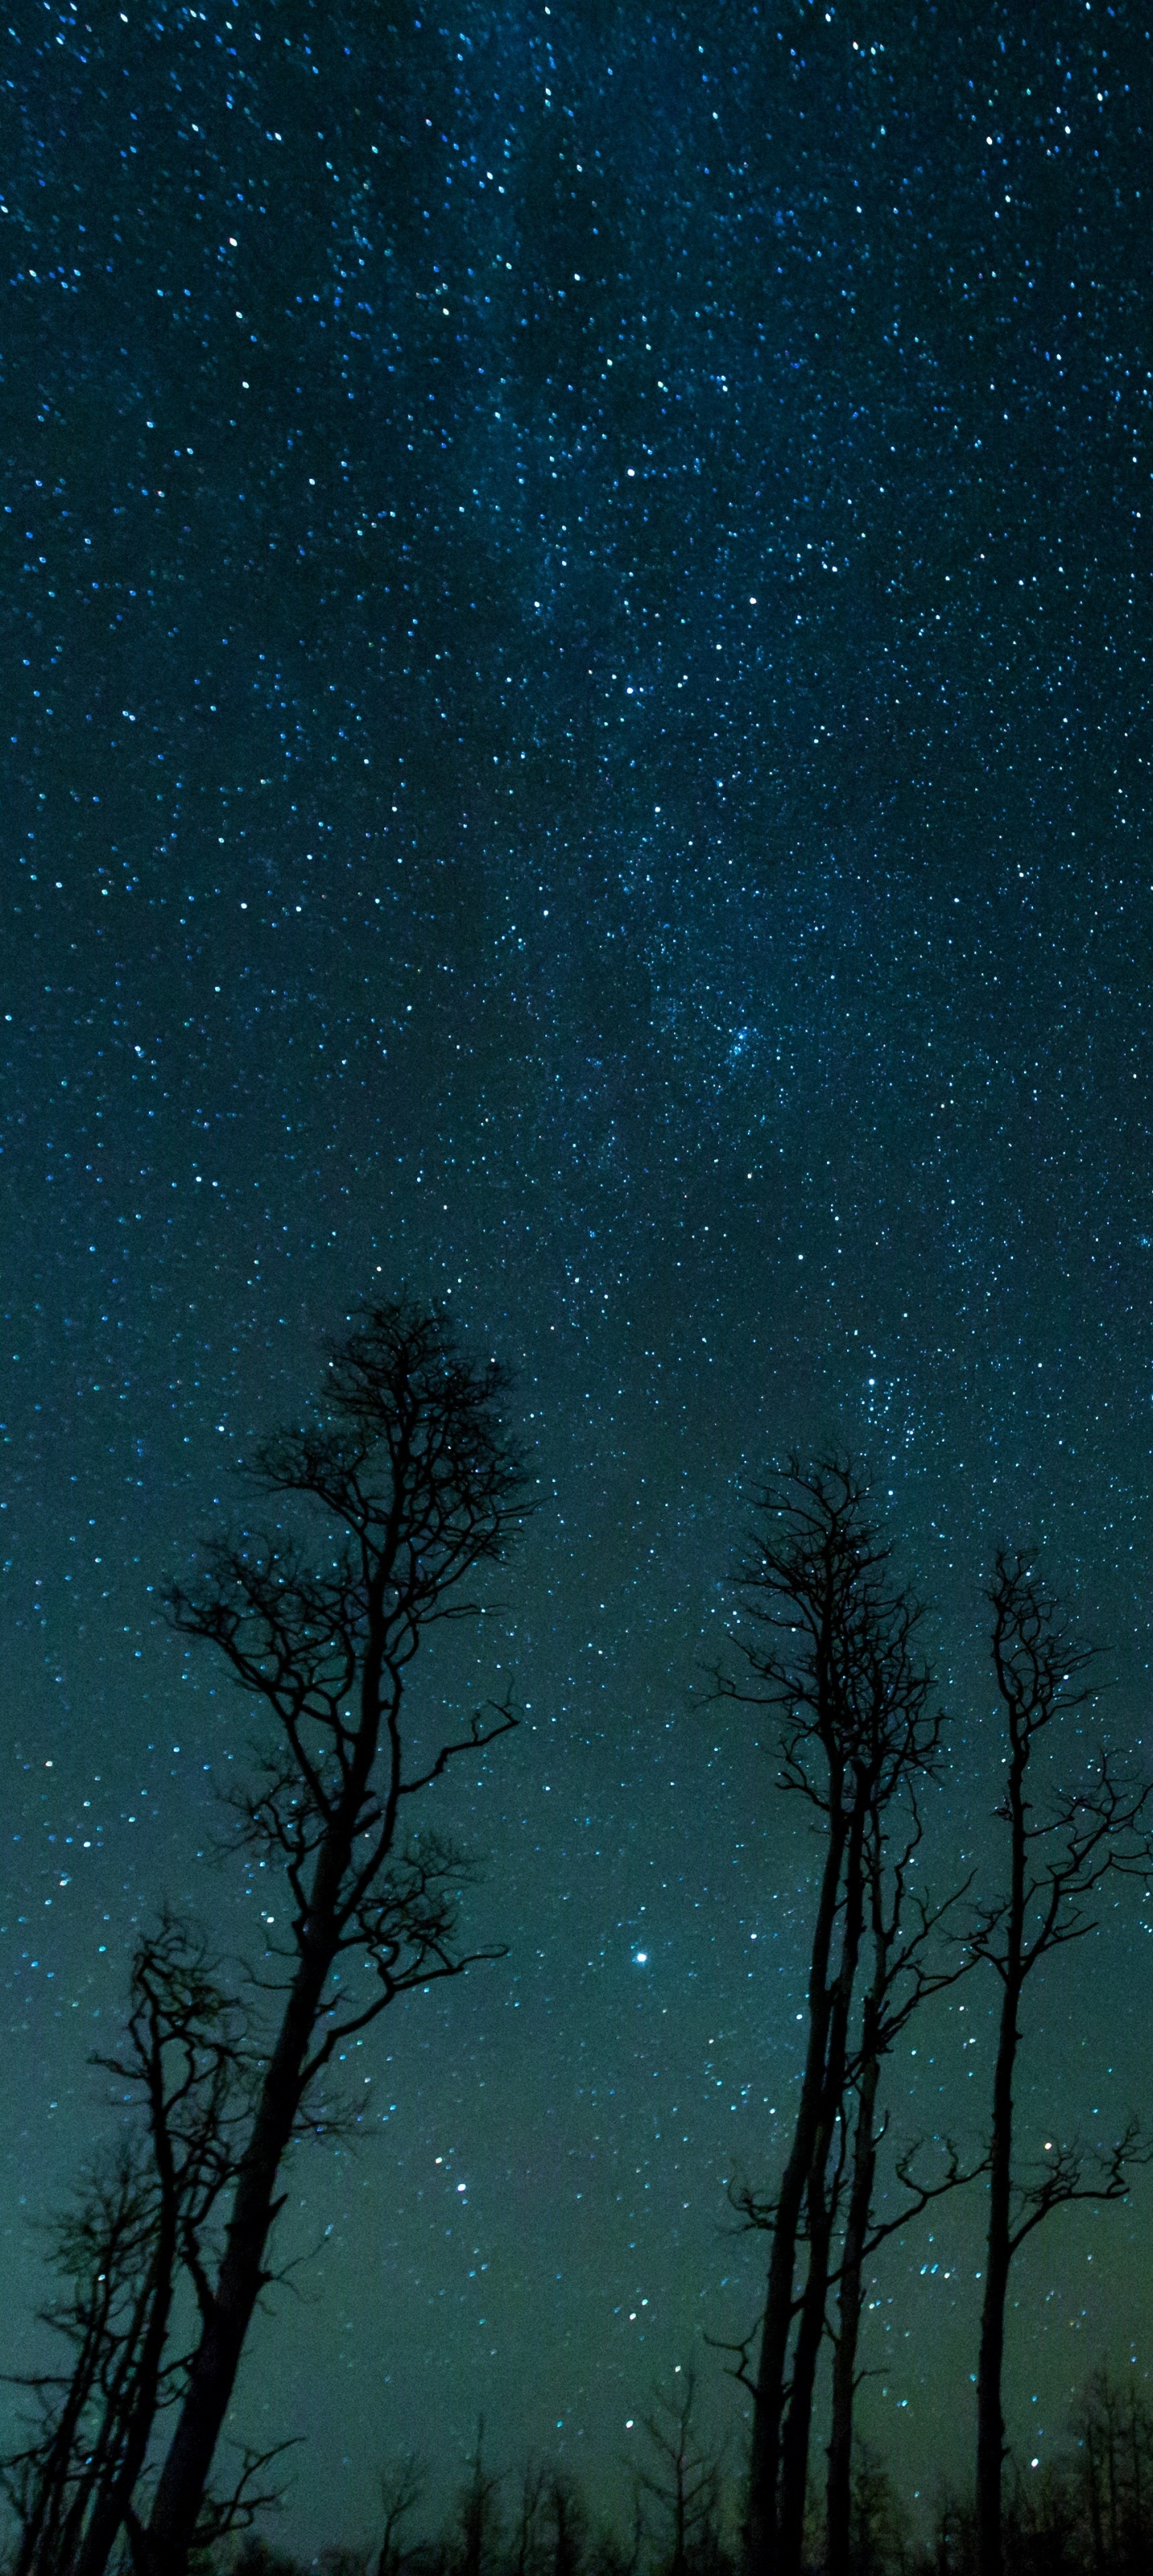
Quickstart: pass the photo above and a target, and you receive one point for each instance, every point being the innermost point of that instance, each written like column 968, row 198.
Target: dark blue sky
column 576, row 633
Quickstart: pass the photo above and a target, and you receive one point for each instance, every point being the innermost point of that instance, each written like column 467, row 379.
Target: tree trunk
column 990, row 2419
column 142, row 2394
column 850, row 2299
column 810, row 2333
column 769, row 2396
column 115, row 2492
column 51, row 2485
column 407, row 1456
column 54, row 2536
column 760, row 2537
column 798, row 2426
column 184, row 2477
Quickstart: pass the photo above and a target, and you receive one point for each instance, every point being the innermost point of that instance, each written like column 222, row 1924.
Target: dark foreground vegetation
column 1088, row 2512
column 398, row 1493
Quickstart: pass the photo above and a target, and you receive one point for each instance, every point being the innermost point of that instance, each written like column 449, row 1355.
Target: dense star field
column 577, row 614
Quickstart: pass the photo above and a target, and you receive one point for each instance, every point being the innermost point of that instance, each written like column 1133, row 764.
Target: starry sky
column 576, row 739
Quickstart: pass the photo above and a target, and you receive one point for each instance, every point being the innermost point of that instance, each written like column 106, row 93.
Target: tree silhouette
column 140, row 2225
column 1058, row 1855
column 415, row 1488
column 906, row 1970
column 680, row 2488
column 830, row 1641
column 401, row 2489
column 1114, row 2481
column 476, row 2540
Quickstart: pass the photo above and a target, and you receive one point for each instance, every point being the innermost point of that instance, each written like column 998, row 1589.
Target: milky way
column 576, row 739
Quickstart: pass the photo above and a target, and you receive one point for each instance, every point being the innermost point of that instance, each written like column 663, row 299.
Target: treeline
column 1087, row 2512
column 400, row 1489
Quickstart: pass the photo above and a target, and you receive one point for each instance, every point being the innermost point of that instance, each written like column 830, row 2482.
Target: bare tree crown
column 417, row 1487
column 831, row 1640
column 407, row 1458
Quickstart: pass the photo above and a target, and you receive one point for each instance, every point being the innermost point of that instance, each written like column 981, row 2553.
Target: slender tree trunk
column 51, row 2484
column 799, row 2418
column 998, row 2256
column 212, row 2376
column 141, row 2385
column 850, row 2298
column 115, row 2492
column 810, row 2333
column 184, row 2477
column 999, row 2248
column 769, row 2395
column 56, row 2536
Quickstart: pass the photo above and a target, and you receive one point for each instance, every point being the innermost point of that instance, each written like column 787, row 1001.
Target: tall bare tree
column 895, row 1744
column 808, row 1559
column 830, row 1641
column 140, row 2226
column 907, row 1969
column 1060, row 1848
column 415, row 1489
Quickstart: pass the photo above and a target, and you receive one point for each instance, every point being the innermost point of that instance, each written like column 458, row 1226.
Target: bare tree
column 831, row 1642
column 101, row 2250
column 810, row 1561
column 416, row 1489
column 683, row 2483
column 401, row 2490
column 895, row 1741
column 907, row 1970
column 1058, row 1854
column 475, row 2544
column 141, row 2225
column 1114, row 2475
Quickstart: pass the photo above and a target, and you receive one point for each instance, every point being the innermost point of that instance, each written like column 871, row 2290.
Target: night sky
column 576, row 740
